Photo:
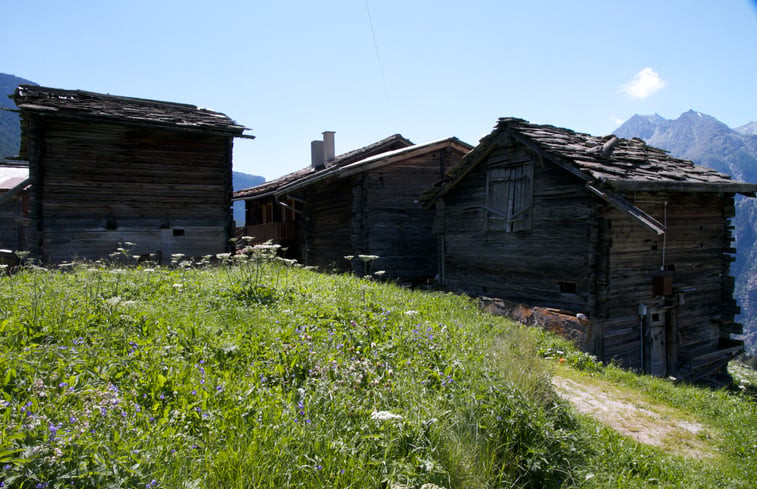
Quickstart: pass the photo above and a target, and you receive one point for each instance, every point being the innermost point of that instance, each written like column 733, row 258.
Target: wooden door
column 656, row 340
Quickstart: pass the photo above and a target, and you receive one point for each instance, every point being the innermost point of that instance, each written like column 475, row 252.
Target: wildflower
column 384, row 416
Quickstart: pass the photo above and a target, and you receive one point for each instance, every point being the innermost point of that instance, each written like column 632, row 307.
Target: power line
column 375, row 46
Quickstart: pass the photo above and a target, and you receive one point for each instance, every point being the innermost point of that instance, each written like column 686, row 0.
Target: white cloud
column 616, row 120
column 645, row 83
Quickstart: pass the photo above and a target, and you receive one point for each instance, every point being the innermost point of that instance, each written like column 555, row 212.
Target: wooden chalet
column 361, row 202
column 14, row 204
column 609, row 229
column 106, row 170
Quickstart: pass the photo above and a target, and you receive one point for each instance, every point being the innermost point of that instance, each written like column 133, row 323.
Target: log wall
column 14, row 222
column 98, row 184
column 327, row 230
column 696, row 253
column 550, row 265
column 388, row 221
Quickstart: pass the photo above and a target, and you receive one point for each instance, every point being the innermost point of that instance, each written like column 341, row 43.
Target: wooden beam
column 7, row 196
column 623, row 205
column 672, row 186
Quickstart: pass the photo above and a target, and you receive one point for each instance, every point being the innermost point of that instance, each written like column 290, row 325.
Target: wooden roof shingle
column 307, row 174
column 79, row 104
column 608, row 162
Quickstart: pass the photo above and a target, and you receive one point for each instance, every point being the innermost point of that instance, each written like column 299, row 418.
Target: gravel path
column 639, row 418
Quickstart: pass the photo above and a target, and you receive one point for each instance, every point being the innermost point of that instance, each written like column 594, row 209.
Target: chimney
column 328, row 147
column 316, row 155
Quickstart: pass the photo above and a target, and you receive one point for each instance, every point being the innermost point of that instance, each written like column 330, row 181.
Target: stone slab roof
column 307, row 174
column 79, row 104
column 608, row 161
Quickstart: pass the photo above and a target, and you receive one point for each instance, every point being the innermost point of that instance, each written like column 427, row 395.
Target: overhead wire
column 376, row 48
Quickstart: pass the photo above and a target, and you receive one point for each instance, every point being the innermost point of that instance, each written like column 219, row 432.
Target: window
column 509, row 198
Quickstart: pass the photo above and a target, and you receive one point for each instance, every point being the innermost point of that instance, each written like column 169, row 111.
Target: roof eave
column 390, row 157
column 748, row 189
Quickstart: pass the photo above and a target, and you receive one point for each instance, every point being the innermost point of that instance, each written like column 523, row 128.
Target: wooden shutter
column 509, row 198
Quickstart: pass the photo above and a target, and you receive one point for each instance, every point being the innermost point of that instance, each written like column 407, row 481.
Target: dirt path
column 637, row 417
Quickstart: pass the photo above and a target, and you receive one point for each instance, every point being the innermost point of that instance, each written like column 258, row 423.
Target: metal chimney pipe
column 316, row 155
column 329, row 154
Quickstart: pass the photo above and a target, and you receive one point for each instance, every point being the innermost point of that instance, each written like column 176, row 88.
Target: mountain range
column 708, row 142
column 10, row 139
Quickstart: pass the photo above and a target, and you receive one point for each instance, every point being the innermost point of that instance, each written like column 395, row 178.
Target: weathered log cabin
column 14, row 204
column 106, row 170
column 361, row 202
column 611, row 229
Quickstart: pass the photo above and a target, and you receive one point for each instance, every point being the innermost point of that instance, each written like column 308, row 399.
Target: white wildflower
column 384, row 416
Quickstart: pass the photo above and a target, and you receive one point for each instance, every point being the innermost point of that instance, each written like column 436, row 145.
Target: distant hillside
column 239, row 181
column 749, row 128
column 707, row 141
column 10, row 130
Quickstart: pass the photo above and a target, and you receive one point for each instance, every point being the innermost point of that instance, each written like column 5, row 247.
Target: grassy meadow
column 253, row 373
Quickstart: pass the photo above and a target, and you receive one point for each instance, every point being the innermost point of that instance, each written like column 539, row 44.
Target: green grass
column 263, row 375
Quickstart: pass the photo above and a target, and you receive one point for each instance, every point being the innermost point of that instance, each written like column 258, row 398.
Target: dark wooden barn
column 14, row 204
column 361, row 202
column 611, row 229
column 106, row 170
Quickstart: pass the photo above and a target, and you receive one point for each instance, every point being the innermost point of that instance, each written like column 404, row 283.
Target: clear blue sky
column 368, row 69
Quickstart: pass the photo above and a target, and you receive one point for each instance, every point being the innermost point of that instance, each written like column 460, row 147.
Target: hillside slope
column 10, row 130
column 706, row 141
column 258, row 374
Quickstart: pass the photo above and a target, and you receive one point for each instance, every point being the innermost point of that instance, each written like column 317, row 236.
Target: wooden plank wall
column 388, row 222
column 522, row 266
column 13, row 225
column 104, row 184
column 697, row 254
column 327, row 230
